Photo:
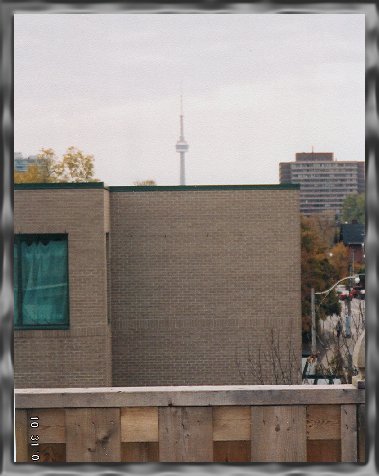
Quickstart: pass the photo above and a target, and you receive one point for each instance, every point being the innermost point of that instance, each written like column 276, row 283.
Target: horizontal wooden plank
column 140, row 452
column 139, row 424
column 50, row 453
column 51, row 425
column 231, row 451
column 323, row 422
column 323, row 451
column 188, row 396
column 231, row 423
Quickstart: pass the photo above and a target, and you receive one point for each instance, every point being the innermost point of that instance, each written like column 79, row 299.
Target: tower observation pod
column 182, row 146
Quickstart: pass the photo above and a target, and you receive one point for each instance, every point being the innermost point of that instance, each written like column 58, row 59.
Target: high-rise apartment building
column 324, row 181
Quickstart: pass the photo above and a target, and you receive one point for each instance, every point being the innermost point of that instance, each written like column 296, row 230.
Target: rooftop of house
column 352, row 233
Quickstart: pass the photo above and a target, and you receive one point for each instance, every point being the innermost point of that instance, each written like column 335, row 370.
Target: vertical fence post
column 359, row 361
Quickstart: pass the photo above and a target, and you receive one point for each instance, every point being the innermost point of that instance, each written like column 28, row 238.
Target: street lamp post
column 348, row 313
column 314, row 349
column 313, row 309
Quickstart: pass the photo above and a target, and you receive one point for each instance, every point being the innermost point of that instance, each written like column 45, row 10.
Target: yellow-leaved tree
column 148, row 182
column 339, row 258
column 74, row 166
column 32, row 175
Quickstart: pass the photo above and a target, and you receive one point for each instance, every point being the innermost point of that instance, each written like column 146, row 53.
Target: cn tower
column 182, row 146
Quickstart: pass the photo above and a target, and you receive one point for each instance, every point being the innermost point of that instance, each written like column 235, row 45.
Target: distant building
column 324, row 181
column 353, row 236
column 21, row 163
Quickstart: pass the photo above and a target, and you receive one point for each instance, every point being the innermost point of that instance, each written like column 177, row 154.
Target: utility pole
column 348, row 306
column 313, row 310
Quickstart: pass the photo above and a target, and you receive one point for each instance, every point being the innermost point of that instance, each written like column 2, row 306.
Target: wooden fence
column 293, row 423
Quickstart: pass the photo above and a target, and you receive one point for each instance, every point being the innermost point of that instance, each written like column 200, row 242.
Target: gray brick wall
column 203, row 288
column 80, row 356
column 199, row 280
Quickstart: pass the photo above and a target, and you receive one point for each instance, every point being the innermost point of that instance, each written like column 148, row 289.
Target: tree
column 74, row 166
column 325, row 225
column 32, row 175
column 42, row 171
column 271, row 360
column 316, row 272
column 148, row 182
column 336, row 351
column 353, row 208
column 339, row 259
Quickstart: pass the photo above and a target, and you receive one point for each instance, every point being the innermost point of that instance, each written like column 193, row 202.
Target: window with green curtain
column 41, row 281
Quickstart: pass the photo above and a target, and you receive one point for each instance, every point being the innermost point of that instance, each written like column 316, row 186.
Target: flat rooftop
column 151, row 188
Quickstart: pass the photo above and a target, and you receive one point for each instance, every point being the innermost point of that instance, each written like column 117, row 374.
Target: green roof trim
column 184, row 188
column 151, row 188
column 71, row 185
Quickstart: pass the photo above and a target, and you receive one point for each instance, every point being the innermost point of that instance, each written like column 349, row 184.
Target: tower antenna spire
column 181, row 145
column 181, row 118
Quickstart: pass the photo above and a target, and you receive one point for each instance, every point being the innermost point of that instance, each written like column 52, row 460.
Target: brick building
column 196, row 285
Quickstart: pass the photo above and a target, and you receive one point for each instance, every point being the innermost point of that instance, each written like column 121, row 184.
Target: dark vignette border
column 7, row 9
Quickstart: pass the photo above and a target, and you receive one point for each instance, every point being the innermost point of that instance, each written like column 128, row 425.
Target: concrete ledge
column 188, row 396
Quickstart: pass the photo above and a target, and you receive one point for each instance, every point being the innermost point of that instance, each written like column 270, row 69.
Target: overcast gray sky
column 257, row 89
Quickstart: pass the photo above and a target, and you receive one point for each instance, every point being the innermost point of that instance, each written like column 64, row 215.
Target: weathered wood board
column 323, row 422
column 349, row 446
column 139, row 424
column 323, row 451
column 52, row 428
column 185, row 434
column 232, row 451
column 231, row 423
column 93, row 435
column 278, row 434
column 188, row 396
column 21, row 435
column 52, row 453
column 140, row 452
column 361, row 433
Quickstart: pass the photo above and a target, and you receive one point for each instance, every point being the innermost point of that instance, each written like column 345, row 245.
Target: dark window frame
column 18, row 239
